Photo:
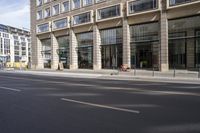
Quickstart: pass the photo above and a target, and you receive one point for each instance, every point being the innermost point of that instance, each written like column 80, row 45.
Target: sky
column 15, row 13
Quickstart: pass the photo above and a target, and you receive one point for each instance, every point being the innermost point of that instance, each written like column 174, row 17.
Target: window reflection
column 85, row 50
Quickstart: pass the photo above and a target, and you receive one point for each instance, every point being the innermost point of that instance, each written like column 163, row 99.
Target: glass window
column 182, row 39
column 56, row 9
column 144, row 45
column 64, row 51
column 198, row 48
column 85, row 50
column 39, row 15
column 59, row 24
column 65, row 6
column 39, row 2
column 76, row 4
column 43, row 28
column 87, row 2
column 111, row 36
column 99, row 1
column 47, row 12
column 177, row 2
column 82, row 18
column 109, row 12
column 46, row 52
column 142, row 5
column 46, row 1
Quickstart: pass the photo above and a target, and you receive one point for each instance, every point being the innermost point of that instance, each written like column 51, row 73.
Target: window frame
column 91, row 18
column 106, row 19
column 53, row 9
column 56, row 29
column 142, row 12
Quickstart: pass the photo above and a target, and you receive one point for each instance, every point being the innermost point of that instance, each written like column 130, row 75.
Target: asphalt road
column 41, row 104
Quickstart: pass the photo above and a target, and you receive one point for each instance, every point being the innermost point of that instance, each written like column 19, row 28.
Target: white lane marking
column 101, row 106
column 11, row 89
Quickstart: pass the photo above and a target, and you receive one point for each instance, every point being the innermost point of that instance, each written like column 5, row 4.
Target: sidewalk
column 180, row 75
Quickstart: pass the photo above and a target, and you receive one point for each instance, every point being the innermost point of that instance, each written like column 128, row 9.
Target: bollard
column 153, row 74
column 174, row 75
column 199, row 73
column 135, row 71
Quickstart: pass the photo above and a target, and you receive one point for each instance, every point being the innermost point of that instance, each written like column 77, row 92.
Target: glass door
column 111, row 56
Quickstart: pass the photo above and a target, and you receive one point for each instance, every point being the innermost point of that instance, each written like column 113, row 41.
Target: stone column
column 73, row 50
column 96, row 48
column 54, row 54
column 164, row 63
column 40, row 61
column 126, row 43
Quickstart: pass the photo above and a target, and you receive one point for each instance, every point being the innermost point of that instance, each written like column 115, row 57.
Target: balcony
column 139, row 6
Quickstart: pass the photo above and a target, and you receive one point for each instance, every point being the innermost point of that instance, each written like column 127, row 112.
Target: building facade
column 15, row 45
column 104, row 34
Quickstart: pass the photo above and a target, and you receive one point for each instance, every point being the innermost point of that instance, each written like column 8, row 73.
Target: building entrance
column 144, row 56
column 111, row 56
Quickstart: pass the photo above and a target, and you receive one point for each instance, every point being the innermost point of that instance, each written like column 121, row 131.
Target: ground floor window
column 177, row 50
column 111, row 56
column 144, row 45
column 198, row 48
column 111, row 48
column 64, row 51
column 85, row 50
column 46, row 52
column 184, row 42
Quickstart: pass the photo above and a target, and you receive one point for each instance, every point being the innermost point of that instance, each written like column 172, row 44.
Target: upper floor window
column 109, row 12
column 87, row 2
column 177, row 2
column 56, row 9
column 39, row 15
column 47, row 12
column 82, row 18
column 59, row 24
column 65, row 6
column 76, row 4
column 99, row 1
column 47, row 1
column 39, row 2
column 142, row 5
column 43, row 28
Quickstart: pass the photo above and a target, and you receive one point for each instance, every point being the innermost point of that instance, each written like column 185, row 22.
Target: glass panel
column 43, row 28
column 177, row 51
column 182, row 39
column 66, row 6
column 109, row 12
column 145, row 45
column 59, row 24
column 76, row 4
column 87, row 2
column 64, row 51
column 198, row 49
column 47, row 12
column 111, row 36
column 111, row 40
column 177, row 2
column 82, row 18
column 39, row 15
column 46, row 52
column 56, row 9
column 85, row 50
column 142, row 5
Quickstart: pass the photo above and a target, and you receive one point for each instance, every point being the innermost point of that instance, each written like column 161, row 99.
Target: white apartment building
column 15, row 45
